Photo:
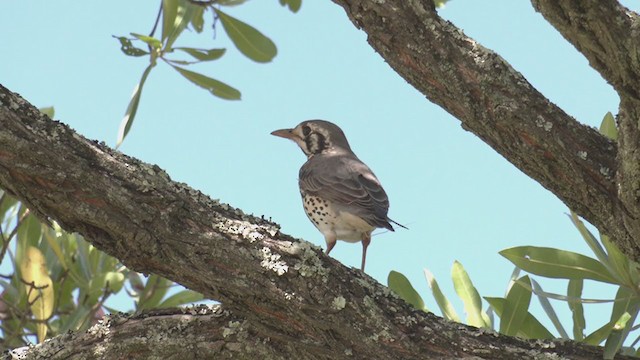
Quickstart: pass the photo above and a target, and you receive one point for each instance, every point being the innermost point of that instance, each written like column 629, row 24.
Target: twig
column 155, row 25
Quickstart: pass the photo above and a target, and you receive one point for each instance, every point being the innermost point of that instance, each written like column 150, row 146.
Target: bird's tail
column 402, row 226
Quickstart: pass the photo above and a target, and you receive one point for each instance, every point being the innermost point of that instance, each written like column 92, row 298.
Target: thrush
column 340, row 194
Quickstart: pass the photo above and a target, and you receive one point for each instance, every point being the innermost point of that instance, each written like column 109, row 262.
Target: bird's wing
column 350, row 185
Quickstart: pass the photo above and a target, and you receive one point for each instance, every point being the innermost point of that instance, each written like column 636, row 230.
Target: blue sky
column 460, row 199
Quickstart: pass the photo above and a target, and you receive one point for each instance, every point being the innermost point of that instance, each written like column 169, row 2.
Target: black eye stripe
column 315, row 143
column 306, row 130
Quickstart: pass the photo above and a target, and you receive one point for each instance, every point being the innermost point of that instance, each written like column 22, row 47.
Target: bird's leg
column 331, row 242
column 366, row 239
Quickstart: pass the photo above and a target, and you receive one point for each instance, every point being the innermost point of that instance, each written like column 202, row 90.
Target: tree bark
column 596, row 177
column 606, row 33
column 290, row 299
column 205, row 332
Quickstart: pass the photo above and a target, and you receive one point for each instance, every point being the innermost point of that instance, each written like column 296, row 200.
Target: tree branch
column 602, row 30
column 606, row 33
column 497, row 104
column 307, row 304
column 207, row 333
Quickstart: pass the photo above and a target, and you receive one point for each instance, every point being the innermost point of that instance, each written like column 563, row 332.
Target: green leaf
column 448, row 311
column 294, row 5
column 197, row 20
column 154, row 290
column 559, row 264
column 591, row 240
column 248, row 40
column 548, row 309
column 515, row 308
column 231, row 2
column 149, row 40
column 625, row 310
column 214, row 86
column 181, row 298
column 401, row 286
column 54, row 245
column 33, row 269
column 440, row 3
column 29, row 234
column 616, row 337
column 132, row 109
column 82, row 258
column 114, row 280
column 135, row 281
column 469, row 295
column 74, row 321
column 203, row 54
column 530, row 329
column 169, row 14
column 512, row 279
column 574, row 290
column 608, row 127
column 622, row 322
column 626, row 301
column 599, row 335
column 619, row 262
column 128, row 49
column 49, row 111
column 7, row 202
column 176, row 15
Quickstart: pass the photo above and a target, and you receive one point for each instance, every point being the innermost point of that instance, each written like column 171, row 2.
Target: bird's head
column 316, row 137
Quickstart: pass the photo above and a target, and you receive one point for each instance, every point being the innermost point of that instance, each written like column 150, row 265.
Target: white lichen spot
column 310, row 265
column 338, row 303
column 289, row 296
column 348, row 352
column 232, row 328
column 254, row 236
column 99, row 350
column 245, row 229
column 272, row 261
column 13, row 105
column 605, row 171
column 368, row 301
column 383, row 335
column 582, row 155
column 542, row 123
column 408, row 320
column 100, row 329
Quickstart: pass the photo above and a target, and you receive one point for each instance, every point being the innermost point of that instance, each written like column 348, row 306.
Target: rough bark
column 596, row 177
column 607, row 34
column 290, row 299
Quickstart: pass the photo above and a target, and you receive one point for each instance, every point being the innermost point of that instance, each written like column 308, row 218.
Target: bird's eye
column 306, row 130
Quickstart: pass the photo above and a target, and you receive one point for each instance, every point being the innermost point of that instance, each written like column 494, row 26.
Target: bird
column 341, row 196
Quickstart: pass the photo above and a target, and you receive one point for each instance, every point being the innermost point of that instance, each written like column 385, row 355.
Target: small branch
column 155, row 24
column 6, row 241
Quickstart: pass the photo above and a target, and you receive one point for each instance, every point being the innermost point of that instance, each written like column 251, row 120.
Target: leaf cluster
column 174, row 17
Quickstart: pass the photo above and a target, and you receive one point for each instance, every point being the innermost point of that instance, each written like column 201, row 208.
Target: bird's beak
column 284, row 133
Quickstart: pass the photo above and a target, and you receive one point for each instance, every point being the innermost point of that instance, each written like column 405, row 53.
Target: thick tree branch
column 606, row 33
column 307, row 304
column 603, row 31
column 192, row 333
column 497, row 104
